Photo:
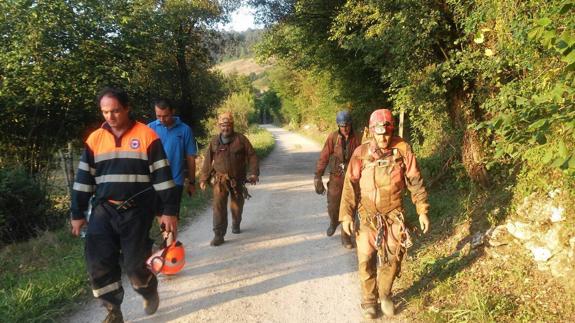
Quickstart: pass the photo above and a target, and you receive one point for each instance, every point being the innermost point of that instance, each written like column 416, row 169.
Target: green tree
column 56, row 55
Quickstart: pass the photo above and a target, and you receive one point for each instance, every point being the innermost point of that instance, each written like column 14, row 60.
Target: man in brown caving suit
column 378, row 173
column 229, row 163
column 336, row 154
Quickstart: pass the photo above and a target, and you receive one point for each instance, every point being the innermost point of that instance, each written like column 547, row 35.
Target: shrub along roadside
column 44, row 278
column 24, row 207
column 262, row 140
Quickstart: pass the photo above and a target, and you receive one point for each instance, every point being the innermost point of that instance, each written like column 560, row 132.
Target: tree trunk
column 183, row 70
column 472, row 149
column 67, row 162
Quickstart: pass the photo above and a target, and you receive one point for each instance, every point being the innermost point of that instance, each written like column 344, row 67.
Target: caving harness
column 390, row 227
column 233, row 186
column 340, row 168
column 236, row 188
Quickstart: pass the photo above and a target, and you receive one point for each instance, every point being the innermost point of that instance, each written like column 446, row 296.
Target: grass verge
column 262, row 141
column 41, row 278
column 45, row 278
column 445, row 280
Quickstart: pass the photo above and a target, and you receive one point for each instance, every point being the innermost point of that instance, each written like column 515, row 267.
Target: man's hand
column 169, row 223
column 253, row 179
column 203, row 186
column 191, row 189
column 347, row 227
column 317, row 182
column 424, row 222
column 77, row 226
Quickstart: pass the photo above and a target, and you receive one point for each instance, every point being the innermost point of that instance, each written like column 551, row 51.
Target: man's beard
column 226, row 137
column 227, row 134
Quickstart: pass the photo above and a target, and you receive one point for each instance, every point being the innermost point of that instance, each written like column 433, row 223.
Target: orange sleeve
column 414, row 181
column 349, row 200
column 323, row 160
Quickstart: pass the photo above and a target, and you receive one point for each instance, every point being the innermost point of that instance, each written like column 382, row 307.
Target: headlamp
column 382, row 128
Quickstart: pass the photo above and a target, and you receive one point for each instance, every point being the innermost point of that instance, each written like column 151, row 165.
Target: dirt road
column 281, row 268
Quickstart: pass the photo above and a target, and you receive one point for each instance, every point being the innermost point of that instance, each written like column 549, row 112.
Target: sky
column 241, row 20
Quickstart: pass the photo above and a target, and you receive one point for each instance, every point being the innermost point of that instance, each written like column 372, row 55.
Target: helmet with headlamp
column 381, row 122
column 343, row 118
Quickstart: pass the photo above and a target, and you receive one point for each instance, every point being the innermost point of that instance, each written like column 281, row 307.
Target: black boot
column 151, row 303
column 331, row 229
column 217, row 240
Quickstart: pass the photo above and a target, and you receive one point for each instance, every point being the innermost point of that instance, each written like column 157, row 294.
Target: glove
column 319, row 188
column 347, row 227
column 424, row 222
column 252, row 179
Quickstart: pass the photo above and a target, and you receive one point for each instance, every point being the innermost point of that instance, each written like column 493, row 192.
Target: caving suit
column 114, row 170
column 374, row 183
column 227, row 166
column 336, row 154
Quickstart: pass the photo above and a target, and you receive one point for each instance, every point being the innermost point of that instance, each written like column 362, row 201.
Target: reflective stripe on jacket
column 118, row 168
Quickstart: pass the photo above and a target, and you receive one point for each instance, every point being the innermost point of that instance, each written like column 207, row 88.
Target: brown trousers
column 376, row 281
column 334, row 190
column 220, row 207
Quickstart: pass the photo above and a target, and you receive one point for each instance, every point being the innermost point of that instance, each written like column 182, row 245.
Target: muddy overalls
column 226, row 166
column 336, row 154
column 375, row 184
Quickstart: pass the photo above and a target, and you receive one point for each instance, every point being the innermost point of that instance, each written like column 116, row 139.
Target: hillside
column 244, row 66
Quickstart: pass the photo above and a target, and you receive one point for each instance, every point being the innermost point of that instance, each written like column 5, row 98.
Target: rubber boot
column 151, row 303
column 346, row 240
column 217, row 240
column 387, row 306
column 369, row 312
column 331, row 229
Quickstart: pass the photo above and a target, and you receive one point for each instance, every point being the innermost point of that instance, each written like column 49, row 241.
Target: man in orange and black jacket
column 123, row 163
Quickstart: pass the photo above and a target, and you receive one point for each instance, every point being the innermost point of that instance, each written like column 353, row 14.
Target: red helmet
column 169, row 260
column 381, row 122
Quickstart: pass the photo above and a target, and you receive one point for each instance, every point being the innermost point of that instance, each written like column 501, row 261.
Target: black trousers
column 110, row 233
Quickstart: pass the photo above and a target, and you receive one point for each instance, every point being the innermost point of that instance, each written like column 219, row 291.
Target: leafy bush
column 242, row 107
column 23, row 206
column 262, row 140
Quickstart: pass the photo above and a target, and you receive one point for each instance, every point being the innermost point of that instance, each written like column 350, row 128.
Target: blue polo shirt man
column 179, row 143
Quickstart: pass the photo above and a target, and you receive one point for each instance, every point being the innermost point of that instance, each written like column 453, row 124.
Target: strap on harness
column 340, row 169
column 235, row 187
column 384, row 226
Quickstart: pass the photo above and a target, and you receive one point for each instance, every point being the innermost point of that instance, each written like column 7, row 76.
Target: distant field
column 244, row 66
